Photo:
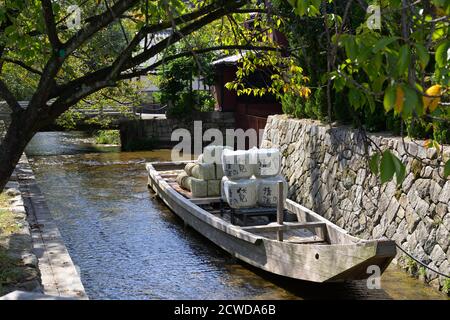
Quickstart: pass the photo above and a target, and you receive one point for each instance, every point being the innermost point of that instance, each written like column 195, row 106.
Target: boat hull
column 309, row 262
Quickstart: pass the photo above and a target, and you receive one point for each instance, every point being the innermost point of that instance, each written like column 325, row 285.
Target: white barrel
column 240, row 193
column 237, row 164
column 188, row 168
column 268, row 162
column 213, row 153
column 268, row 191
column 181, row 180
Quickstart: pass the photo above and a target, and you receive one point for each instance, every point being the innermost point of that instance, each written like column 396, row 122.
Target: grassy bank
column 10, row 271
column 8, row 225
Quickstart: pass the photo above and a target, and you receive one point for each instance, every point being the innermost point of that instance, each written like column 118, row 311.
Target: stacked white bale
column 202, row 177
column 204, row 171
column 268, row 191
column 219, row 172
column 214, row 188
column 213, row 153
column 237, row 164
column 198, row 187
column 240, row 193
column 268, row 162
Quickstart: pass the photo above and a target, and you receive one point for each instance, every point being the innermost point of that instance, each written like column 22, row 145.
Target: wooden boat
column 313, row 248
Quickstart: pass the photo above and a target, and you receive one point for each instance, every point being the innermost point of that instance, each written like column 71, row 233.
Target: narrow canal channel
column 128, row 245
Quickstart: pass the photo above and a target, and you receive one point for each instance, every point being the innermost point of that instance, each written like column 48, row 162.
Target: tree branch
column 6, row 94
column 23, row 65
column 167, row 24
column 183, row 32
column 154, row 50
column 153, row 66
column 49, row 19
column 97, row 23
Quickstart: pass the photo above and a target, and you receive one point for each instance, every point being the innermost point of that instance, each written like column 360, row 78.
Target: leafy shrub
column 446, row 286
column 299, row 107
column 176, row 89
column 107, row 137
column 441, row 132
column 188, row 102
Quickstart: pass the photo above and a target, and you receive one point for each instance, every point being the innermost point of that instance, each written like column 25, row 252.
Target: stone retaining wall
column 328, row 172
column 59, row 275
column 159, row 130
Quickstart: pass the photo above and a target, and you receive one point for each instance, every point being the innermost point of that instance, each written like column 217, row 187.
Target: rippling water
column 128, row 245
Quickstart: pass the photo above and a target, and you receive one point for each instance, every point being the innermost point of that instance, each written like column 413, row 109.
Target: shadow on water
column 129, row 245
column 296, row 289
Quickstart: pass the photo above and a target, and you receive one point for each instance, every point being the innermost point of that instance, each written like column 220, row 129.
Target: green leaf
column 387, row 167
column 389, row 98
column 354, row 98
column 374, row 163
column 403, row 60
column 447, row 169
column 400, row 169
column 391, row 165
column 442, row 57
column 371, row 102
column 395, row 3
column 300, row 7
column 351, row 49
column 377, row 84
column 412, row 102
column 383, row 43
column 422, row 54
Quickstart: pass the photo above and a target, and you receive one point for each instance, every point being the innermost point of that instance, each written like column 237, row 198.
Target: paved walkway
column 23, row 295
column 58, row 272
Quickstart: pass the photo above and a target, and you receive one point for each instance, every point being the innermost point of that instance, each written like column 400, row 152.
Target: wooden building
column 250, row 112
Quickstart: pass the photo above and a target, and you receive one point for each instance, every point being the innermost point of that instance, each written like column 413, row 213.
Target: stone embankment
column 158, row 131
column 34, row 261
column 20, row 265
column 328, row 172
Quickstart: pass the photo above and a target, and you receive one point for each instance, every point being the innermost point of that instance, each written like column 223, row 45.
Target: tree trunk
column 18, row 135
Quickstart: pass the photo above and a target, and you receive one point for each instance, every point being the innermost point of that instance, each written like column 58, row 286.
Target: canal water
column 128, row 245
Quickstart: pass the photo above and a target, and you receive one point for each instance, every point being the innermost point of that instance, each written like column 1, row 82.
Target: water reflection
column 128, row 245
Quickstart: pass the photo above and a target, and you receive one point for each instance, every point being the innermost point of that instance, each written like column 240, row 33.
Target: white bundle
column 268, row 191
column 204, row 171
column 219, row 172
column 237, row 164
column 214, row 188
column 268, row 162
column 188, row 168
column 182, row 180
column 199, row 188
column 213, row 153
column 240, row 193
